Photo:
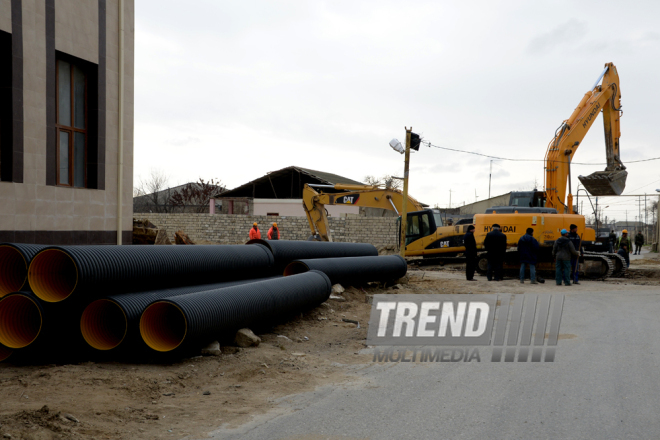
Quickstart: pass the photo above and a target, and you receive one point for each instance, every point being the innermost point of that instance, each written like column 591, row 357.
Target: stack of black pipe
column 59, row 300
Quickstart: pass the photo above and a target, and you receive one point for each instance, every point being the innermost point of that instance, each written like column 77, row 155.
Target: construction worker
column 612, row 241
column 495, row 244
column 639, row 242
column 563, row 250
column 273, row 232
column 528, row 247
column 470, row 253
column 624, row 245
column 255, row 233
column 575, row 261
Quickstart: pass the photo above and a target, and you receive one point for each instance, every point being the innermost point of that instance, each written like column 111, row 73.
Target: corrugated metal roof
column 314, row 176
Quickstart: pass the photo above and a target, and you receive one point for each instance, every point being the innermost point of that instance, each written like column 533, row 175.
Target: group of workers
column 273, row 232
column 566, row 251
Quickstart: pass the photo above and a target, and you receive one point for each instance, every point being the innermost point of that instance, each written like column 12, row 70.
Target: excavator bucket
column 605, row 183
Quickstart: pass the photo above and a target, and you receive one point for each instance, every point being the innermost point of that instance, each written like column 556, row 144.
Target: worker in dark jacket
column 612, row 241
column 528, row 248
column 470, row 253
column 624, row 246
column 274, row 232
column 495, row 244
column 563, row 250
column 639, row 242
column 575, row 261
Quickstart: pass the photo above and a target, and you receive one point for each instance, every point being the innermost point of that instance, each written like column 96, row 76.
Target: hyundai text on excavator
column 425, row 233
column 552, row 210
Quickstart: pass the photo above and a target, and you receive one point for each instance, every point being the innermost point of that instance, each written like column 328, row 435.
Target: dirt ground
column 191, row 398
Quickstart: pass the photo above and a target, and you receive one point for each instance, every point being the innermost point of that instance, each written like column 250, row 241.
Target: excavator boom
column 605, row 99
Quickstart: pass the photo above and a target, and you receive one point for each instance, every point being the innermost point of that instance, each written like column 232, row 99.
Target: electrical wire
column 429, row 144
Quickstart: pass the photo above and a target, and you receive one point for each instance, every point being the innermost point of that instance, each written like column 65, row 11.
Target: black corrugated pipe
column 40, row 332
column 14, row 261
column 197, row 318
column 286, row 251
column 21, row 320
column 5, row 353
column 58, row 272
column 108, row 322
column 353, row 270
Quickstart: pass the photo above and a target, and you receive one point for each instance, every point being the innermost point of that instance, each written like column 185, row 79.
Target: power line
column 429, row 144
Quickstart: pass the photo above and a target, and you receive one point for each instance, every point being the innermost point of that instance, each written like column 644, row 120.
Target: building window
column 71, row 124
column 6, row 123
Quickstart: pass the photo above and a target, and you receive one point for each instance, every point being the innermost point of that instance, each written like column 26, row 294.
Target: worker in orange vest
column 254, row 232
column 274, row 233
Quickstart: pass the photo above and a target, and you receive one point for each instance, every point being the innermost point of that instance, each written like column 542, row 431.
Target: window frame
column 71, row 130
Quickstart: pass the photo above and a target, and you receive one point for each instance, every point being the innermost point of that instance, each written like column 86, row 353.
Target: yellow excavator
column 426, row 234
column 547, row 212
column 552, row 210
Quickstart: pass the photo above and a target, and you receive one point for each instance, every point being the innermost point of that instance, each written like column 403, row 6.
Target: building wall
column 481, row 206
column 234, row 229
column 293, row 207
column 34, row 209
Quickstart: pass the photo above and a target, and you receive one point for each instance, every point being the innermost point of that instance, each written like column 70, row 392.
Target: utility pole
column 490, row 176
column 646, row 220
column 596, row 218
column 450, row 199
column 404, row 204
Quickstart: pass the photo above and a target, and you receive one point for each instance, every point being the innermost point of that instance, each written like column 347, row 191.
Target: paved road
column 605, row 383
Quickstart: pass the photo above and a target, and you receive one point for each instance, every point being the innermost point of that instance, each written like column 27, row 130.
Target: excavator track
column 616, row 264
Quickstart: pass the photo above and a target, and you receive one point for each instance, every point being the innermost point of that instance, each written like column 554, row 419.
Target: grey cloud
column 564, row 34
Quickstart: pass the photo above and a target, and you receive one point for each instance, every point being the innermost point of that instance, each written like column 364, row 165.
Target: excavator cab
column 419, row 224
column 605, row 183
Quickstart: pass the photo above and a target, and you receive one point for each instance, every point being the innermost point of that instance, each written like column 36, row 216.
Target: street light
column 655, row 247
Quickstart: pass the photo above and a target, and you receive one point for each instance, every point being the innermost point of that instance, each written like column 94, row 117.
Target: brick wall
column 234, row 229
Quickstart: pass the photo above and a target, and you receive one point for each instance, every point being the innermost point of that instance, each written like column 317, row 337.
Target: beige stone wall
column 76, row 28
column 233, row 229
column 5, row 15
column 32, row 205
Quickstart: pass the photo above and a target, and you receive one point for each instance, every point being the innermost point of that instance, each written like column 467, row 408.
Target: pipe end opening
column 295, row 268
column 103, row 324
column 5, row 353
column 20, row 321
column 53, row 275
column 13, row 270
column 163, row 326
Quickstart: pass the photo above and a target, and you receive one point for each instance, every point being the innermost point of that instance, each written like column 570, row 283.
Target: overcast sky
column 232, row 90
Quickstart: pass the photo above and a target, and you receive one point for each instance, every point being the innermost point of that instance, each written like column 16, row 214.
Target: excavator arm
column 356, row 195
column 606, row 99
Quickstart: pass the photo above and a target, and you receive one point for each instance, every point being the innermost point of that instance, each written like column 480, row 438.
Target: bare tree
column 387, row 181
column 152, row 193
column 194, row 197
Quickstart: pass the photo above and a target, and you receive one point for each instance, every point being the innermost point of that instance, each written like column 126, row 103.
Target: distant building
column 481, row 206
column 189, row 197
column 279, row 193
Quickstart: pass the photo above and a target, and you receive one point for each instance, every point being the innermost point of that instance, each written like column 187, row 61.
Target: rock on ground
column 337, row 289
column 246, row 338
column 213, row 349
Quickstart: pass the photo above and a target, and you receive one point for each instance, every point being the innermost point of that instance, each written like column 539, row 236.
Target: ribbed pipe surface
column 14, row 261
column 59, row 272
column 353, row 270
column 286, row 251
column 108, row 322
column 21, row 320
column 199, row 317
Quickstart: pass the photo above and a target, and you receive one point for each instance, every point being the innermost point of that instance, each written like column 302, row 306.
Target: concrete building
column 66, row 98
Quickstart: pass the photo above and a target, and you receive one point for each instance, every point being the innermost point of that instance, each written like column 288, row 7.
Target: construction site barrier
column 286, row 251
column 59, row 272
column 21, row 320
column 202, row 317
column 14, row 262
column 108, row 322
column 353, row 270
